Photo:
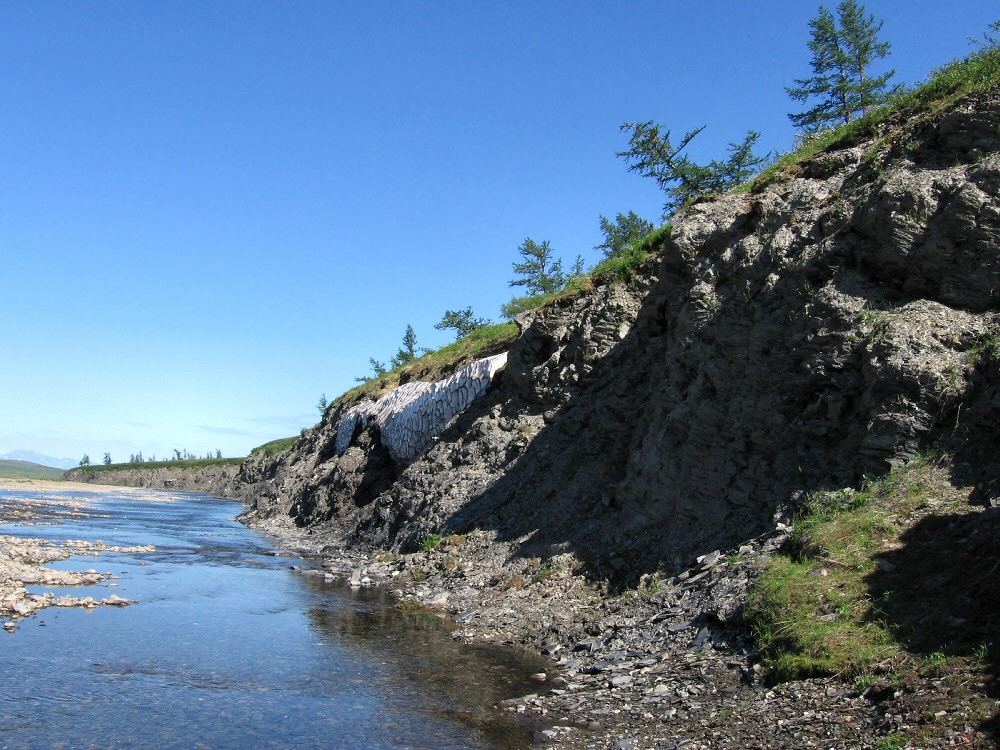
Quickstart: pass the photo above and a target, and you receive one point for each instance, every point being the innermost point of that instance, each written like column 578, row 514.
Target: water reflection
column 228, row 648
column 471, row 679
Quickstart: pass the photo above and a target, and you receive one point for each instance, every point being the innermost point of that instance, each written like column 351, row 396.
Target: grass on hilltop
column 979, row 72
column 622, row 267
column 27, row 470
column 482, row 342
column 274, row 447
column 189, row 463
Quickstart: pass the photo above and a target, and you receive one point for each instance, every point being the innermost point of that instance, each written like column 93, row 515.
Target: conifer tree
column 843, row 51
column 651, row 153
column 538, row 272
column 107, row 459
column 622, row 232
column 408, row 351
column 85, row 461
column 463, row 322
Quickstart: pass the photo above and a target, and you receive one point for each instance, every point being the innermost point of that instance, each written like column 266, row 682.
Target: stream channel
column 228, row 647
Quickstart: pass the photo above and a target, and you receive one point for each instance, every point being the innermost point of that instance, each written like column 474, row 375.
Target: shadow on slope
column 940, row 594
column 694, row 433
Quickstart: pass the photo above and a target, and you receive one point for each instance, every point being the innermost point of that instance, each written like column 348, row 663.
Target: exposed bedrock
column 800, row 337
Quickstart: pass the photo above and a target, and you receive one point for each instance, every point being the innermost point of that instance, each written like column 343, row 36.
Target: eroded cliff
column 793, row 338
column 216, row 479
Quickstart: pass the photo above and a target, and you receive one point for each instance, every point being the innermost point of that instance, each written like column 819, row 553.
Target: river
column 229, row 647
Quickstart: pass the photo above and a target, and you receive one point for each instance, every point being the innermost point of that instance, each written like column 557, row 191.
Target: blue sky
column 214, row 212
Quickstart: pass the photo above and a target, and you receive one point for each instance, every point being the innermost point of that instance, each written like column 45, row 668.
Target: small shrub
column 986, row 350
column 933, row 664
column 891, row 742
column 430, row 542
column 544, row 573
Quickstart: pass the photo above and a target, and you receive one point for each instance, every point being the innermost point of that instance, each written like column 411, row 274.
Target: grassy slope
column 274, row 447
column 812, row 610
column 193, row 463
column 28, row 470
column 894, row 585
column 979, row 72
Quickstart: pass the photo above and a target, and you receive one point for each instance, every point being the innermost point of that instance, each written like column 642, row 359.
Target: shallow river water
column 227, row 647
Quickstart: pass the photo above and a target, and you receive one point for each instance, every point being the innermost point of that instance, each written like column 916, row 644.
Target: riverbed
column 230, row 643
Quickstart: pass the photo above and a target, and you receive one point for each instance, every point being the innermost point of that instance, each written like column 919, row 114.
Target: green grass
column 810, row 610
column 483, row 341
column 430, row 542
column 621, row 267
column 518, row 305
column 979, row 72
column 274, row 447
column 191, row 463
column 28, row 470
column 891, row 742
column 986, row 350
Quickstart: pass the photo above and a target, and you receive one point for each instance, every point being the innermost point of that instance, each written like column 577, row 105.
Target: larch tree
column 652, row 153
column 844, row 49
column 622, row 232
column 462, row 322
column 539, row 272
column 408, row 351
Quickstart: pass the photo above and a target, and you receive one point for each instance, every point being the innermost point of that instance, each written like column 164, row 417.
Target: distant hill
column 28, row 470
column 38, row 458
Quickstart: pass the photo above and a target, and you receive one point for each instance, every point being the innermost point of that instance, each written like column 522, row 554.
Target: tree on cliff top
column 539, row 272
column 843, row 50
column 408, row 351
column 462, row 322
column 622, row 232
column 85, row 461
column 651, row 153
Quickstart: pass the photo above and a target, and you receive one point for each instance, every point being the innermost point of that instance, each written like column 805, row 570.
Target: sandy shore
column 46, row 486
column 49, row 485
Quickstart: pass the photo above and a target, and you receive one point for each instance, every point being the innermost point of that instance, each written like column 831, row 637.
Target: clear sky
column 211, row 213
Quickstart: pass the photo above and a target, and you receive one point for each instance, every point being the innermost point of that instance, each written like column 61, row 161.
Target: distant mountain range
column 38, row 458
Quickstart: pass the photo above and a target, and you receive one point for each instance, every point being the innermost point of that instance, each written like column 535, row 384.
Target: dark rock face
column 797, row 338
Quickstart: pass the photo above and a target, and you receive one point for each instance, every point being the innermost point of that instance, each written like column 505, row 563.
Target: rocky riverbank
column 612, row 496
column 667, row 664
column 23, row 560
